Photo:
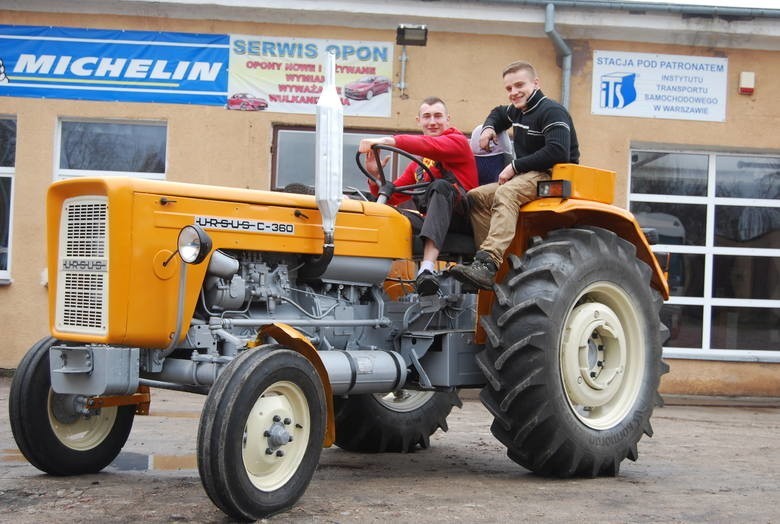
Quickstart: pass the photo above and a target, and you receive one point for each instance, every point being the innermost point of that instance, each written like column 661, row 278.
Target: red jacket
column 451, row 148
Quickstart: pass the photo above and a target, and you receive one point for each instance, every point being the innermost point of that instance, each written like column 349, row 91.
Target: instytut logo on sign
column 618, row 89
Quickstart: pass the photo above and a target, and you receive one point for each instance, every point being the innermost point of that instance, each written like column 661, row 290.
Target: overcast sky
column 765, row 4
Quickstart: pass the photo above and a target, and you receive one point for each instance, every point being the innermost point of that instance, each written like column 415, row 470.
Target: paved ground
column 706, row 463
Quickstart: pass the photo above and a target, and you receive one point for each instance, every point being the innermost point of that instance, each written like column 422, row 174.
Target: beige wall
column 700, row 377
column 213, row 146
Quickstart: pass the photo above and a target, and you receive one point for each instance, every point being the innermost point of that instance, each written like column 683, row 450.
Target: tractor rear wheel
column 393, row 422
column 574, row 355
column 49, row 428
column 261, row 432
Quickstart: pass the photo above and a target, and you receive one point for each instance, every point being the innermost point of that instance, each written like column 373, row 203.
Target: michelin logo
column 3, row 77
column 618, row 90
column 119, row 68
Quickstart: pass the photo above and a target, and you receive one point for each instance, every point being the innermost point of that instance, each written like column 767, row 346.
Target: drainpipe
column 562, row 50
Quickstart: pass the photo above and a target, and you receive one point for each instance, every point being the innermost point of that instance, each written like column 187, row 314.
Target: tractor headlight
column 193, row 245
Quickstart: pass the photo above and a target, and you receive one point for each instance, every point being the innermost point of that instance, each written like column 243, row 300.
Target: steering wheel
column 387, row 188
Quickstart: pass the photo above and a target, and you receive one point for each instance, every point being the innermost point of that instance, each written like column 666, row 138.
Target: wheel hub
column 64, row 408
column 277, row 435
column 594, row 355
column 76, row 426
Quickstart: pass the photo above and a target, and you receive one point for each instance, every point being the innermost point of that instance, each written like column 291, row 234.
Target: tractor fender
column 546, row 214
column 292, row 338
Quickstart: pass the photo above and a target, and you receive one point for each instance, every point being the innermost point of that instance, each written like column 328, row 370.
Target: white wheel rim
column 602, row 356
column 280, row 412
column 79, row 432
column 404, row 400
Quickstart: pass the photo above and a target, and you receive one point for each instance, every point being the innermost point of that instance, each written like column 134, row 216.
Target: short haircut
column 519, row 65
column 433, row 100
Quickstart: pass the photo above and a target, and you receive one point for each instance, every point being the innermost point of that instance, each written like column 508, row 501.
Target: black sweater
column 544, row 134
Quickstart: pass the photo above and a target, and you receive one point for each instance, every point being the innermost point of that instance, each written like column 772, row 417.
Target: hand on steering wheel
column 375, row 165
column 381, row 180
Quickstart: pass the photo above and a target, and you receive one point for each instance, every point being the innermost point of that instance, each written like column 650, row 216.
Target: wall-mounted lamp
column 411, row 35
column 408, row 35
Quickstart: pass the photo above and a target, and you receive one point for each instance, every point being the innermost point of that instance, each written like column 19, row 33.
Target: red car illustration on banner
column 367, row 87
column 246, row 102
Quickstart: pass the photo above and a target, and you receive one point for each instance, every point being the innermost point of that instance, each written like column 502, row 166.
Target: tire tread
column 528, row 408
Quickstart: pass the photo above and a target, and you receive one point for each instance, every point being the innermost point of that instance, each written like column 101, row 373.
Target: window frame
column 9, row 173
column 62, row 174
column 709, row 251
column 395, row 163
column 5, row 274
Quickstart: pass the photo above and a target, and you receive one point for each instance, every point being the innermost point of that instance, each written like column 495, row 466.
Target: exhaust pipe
column 328, row 172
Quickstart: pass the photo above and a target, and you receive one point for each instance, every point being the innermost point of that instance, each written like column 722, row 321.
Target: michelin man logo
column 3, row 78
column 617, row 90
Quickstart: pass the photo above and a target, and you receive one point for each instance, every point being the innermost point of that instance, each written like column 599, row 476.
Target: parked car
column 367, row 87
column 246, row 102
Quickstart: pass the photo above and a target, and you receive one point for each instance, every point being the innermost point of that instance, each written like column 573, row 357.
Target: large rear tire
column 261, row 432
column 574, row 355
column 395, row 422
column 50, row 433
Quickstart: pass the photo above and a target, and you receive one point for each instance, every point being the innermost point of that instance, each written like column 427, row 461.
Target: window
column 7, row 165
column 112, row 148
column 719, row 217
column 294, row 160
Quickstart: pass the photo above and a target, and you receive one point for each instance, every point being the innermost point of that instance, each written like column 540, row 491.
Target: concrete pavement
column 712, row 462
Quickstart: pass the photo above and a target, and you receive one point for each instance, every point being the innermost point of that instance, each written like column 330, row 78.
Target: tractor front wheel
column 261, row 432
column 51, row 429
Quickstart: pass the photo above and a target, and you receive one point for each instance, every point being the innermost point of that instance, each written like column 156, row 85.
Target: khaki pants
column 495, row 208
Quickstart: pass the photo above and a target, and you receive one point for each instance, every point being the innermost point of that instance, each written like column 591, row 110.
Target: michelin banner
column 112, row 65
column 286, row 74
column 238, row 72
column 659, row 86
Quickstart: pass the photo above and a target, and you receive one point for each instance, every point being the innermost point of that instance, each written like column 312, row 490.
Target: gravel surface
column 706, row 463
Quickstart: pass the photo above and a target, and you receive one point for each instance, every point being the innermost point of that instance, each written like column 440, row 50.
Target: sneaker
column 481, row 273
column 427, row 283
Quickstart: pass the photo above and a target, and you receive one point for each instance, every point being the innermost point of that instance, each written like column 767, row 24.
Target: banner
column 659, row 86
column 112, row 65
column 249, row 73
column 286, row 74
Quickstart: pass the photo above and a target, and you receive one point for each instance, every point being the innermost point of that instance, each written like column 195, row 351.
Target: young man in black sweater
column 543, row 136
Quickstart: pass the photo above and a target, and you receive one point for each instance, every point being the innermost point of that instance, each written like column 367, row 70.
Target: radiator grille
column 82, row 286
column 85, row 235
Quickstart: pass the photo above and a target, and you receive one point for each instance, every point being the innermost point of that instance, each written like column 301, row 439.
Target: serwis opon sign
column 659, row 86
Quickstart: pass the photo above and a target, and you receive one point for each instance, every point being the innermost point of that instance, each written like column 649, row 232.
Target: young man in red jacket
column 447, row 153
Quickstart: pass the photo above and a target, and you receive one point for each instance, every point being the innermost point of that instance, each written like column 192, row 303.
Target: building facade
column 680, row 101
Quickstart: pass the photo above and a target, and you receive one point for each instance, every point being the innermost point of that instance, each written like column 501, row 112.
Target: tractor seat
column 457, row 246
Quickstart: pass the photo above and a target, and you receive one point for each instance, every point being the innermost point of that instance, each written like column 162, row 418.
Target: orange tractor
column 297, row 344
